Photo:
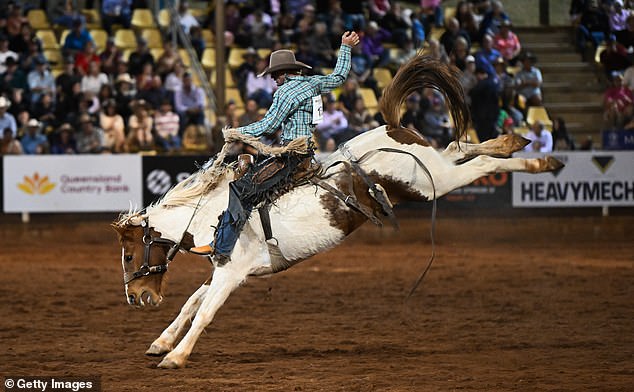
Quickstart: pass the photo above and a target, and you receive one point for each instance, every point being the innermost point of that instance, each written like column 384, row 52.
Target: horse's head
column 144, row 260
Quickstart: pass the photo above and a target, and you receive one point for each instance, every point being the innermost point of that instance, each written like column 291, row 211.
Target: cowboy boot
column 204, row 250
column 245, row 161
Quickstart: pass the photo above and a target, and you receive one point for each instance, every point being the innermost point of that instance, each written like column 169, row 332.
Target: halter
column 147, row 269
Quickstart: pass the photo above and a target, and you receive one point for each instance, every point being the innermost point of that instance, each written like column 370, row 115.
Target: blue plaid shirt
column 292, row 107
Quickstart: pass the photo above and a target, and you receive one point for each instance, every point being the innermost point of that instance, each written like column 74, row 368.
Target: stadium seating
column 48, row 39
column 264, row 53
column 208, row 60
column 383, row 77
column 233, row 94
column 164, row 18
column 153, row 38
column 93, row 18
column 536, row 113
column 125, row 39
column 38, row 19
column 142, row 19
column 235, row 57
column 54, row 58
column 369, row 99
column 208, row 37
column 229, row 82
column 100, row 37
column 182, row 53
column 156, row 53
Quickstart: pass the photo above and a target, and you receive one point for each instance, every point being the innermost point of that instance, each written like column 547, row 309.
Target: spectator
column 493, row 19
column 487, row 55
column 13, row 78
column 437, row 51
column 64, row 81
column 113, row 127
column 10, row 145
column 413, row 116
column 31, row 56
column 251, row 114
column 168, row 59
column 618, row 16
column 40, row 80
column 44, row 111
column 33, row 142
column 576, row 10
column 628, row 77
column 561, row 138
column 626, row 37
column 110, row 57
column 618, row 102
column 77, row 38
column 249, row 65
column 541, row 138
column 614, row 57
column 405, row 54
column 90, row 139
column 360, row 120
column 319, row 44
column 259, row 25
column 85, row 57
column 361, row 69
column 334, row 126
column 507, row 43
column 167, row 127
column 5, row 53
column 431, row 14
column 394, row 22
column 468, row 78
column 116, row 12
column 140, row 127
column 174, row 80
column 467, row 19
column 372, row 45
column 124, row 95
column 260, row 88
column 453, row 31
column 185, row 18
column 63, row 141
column 68, row 106
column 348, row 96
column 528, row 80
column 20, row 43
column 484, row 105
column 460, row 53
column 354, row 15
column 190, row 102
column 68, row 16
column 378, row 8
column 139, row 58
column 436, row 124
column 594, row 27
column 92, row 82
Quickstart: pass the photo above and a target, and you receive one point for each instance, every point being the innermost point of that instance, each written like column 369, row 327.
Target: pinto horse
column 307, row 219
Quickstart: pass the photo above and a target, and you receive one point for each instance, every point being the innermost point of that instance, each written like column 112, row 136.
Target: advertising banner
column 160, row 174
column 618, row 140
column 71, row 183
column 589, row 179
column 493, row 191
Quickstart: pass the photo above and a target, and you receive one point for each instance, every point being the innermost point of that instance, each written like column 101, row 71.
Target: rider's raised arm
column 283, row 105
column 340, row 73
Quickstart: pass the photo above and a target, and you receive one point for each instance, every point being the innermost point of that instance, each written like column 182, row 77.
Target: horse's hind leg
column 164, row 343
column 225, row 280
column 461, row 175
column 502, row 146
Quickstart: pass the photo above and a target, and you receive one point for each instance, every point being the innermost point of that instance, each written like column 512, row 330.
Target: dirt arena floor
column 521, row 304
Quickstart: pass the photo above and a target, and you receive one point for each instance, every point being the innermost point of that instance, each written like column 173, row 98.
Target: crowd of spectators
column 103, row 101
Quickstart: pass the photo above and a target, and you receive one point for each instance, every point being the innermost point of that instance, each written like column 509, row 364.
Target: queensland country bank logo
column 36, row 185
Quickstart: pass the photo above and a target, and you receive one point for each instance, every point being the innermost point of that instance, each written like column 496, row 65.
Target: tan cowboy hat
column 33, row 123
column 4, row 103
column 124, row 78
column 283, row 59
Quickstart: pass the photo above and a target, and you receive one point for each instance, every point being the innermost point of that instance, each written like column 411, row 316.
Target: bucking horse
column 359, row 182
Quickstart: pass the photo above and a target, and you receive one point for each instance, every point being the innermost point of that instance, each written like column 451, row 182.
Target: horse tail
column 418, row 73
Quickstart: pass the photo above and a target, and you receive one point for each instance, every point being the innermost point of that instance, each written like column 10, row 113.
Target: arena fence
column 109, row 183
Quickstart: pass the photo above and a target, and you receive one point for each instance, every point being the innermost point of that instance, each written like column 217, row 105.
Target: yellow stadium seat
column 125, row 38
column 538, row 113
column 164, row 18
column 209, row 59
column 229, row 82
column 63, row 36
column 235, row 57
column 156, row 53
column 450, row 12
column 153, row 38
column 198, row 12
column 597, row 54
column 100, row 37
column 38, row 19
column 125, row 56
column 383, row 77
column 93, row 18
column 208, row 37
column 472, row 136
column 369, row 98
column 436, row 32
column 264, row 53
column 142, row 19
column 56, row 72
column 48, row 39
column 182, row 53
column 234, row 94
column 54, row 57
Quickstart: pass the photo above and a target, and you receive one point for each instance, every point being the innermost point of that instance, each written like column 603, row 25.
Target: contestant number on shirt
column 318, row 110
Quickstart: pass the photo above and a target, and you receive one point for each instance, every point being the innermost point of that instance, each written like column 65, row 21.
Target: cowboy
column 297, row 108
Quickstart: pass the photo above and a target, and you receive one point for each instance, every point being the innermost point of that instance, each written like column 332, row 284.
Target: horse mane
column 420, row 72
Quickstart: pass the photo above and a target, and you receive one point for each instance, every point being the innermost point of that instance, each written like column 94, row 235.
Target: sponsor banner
column 71, row 183
column 493, row 191
column 160, row 173
column 618, row 140
column 592, row 178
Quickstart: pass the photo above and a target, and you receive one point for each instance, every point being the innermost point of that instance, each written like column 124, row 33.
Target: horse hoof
column 520, row 142
column 170, row 363
column 554, row 164
column 157, row 349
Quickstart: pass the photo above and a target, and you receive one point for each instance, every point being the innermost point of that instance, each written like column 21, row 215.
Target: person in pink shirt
column 507, row 43
column 618, row 102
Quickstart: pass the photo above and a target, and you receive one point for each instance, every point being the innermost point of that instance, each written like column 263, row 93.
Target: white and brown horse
column 307, row 220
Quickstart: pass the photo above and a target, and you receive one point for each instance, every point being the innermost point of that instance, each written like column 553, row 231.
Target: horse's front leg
column 225, row 280
column 165, row 343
